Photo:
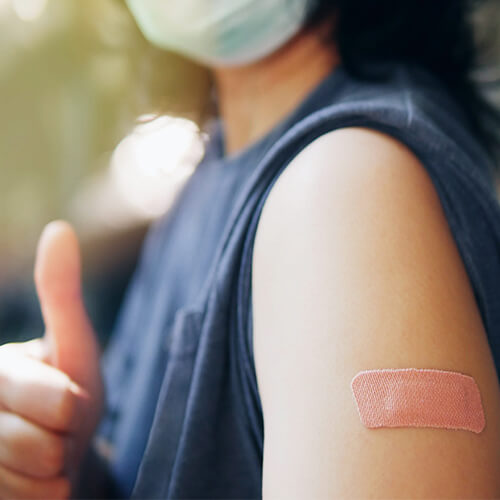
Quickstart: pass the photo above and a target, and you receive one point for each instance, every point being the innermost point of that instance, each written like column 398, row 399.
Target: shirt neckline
column 302, row 109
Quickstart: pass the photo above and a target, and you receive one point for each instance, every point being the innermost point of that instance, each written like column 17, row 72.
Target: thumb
column 69, row 336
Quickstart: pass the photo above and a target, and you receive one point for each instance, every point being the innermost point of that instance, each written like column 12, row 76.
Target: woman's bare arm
column 355, row 268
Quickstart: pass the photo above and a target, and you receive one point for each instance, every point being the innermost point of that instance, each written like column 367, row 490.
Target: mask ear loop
column 412, row 397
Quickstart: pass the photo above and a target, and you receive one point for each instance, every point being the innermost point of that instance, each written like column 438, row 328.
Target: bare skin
column 255, row 97
column 355, row 268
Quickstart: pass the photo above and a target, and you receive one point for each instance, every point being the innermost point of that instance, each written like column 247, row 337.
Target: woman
column 343, row 220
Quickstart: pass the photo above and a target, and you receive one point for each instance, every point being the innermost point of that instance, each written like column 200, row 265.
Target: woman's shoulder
column 345, row 174
column 405, row 100
column 385, row 155
column 382, row 127
column 383, row 144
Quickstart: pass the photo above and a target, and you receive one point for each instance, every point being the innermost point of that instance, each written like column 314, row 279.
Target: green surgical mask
column 220, row 32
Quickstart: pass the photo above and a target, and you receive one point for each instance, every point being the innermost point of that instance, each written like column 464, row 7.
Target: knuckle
column 40, row 453
column 17, row 444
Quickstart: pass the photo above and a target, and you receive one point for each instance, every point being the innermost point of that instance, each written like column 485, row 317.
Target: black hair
column 436, row 34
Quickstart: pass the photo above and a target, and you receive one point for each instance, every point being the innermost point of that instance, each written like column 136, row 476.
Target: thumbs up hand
column 51, row 391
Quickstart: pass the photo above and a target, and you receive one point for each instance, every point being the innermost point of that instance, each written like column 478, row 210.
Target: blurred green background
column 87, row 134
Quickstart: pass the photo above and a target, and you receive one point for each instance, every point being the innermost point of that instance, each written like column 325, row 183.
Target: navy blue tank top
column 184, row 418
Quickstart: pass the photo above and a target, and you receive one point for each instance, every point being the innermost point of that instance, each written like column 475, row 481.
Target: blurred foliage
column 74, row 76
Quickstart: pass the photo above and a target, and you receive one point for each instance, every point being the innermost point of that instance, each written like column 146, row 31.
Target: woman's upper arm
column 355, row 268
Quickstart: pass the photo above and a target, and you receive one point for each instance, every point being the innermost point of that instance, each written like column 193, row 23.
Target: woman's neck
column 254, row 98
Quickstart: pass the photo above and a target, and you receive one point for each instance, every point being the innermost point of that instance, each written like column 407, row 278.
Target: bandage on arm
column 412, row 397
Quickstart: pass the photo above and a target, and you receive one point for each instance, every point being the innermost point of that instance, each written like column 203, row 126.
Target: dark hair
column 436, row 34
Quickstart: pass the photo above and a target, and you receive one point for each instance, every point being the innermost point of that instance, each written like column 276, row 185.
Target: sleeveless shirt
column 184, row 418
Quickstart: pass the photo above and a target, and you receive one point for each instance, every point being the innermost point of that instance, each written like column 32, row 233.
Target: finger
column 40, row 393
column 58, row 280
column 31, row 450
column 36, row 349
column 17, row 486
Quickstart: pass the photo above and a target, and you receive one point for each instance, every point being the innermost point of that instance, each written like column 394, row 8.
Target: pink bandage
column 412, row 397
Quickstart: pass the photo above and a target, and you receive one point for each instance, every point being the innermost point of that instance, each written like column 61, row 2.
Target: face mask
column 220, row 32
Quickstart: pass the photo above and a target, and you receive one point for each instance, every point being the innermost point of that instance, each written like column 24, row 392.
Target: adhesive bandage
column 412, row 397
